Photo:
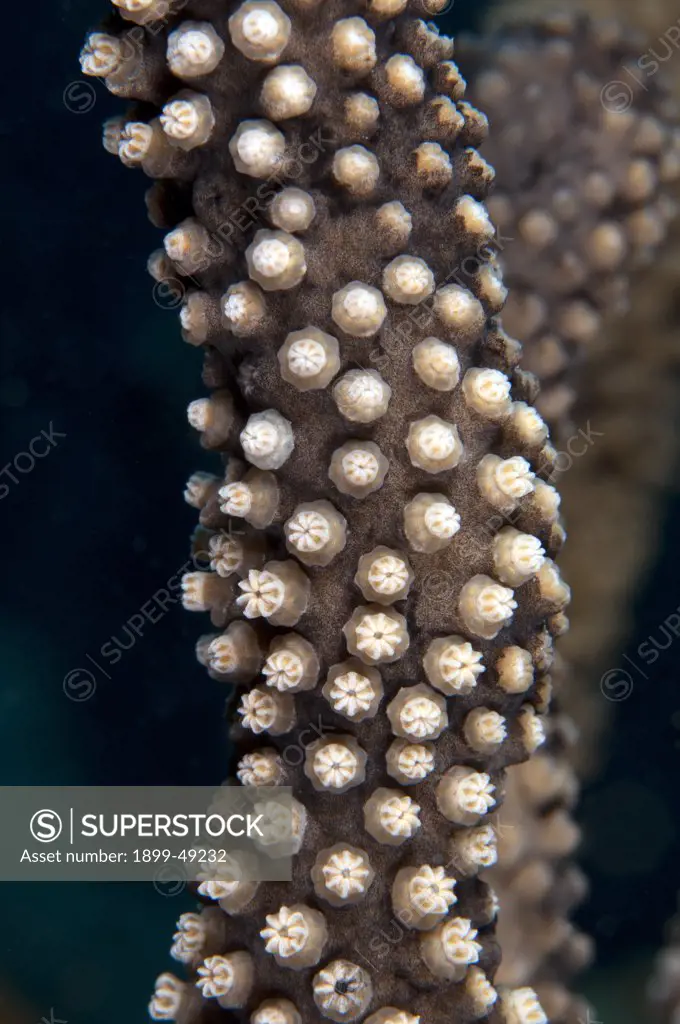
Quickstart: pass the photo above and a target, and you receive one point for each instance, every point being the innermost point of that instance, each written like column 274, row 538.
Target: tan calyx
column 264, row 711
column 194, row 49
column 356, row 169
column 487, row 392
column 464, row 795
column 517, row 556
column 188, row 120
column 255, row 498
column 405, row 80
column 450, row 948
column 342, row 990
column 309, row 358
column 375, row 634
column 316, row 532
column 430, row 522
column 267, row 439
column 436, row 363
column 474, row 848
column 358, row 468
column 384, row 575
column 260, row 30
column 292, row 210
column 243, row 307
column 228, row 978
column 452, row 665
column 515, row 670
column 236, row 653
column 434, row 444
column 257, row 148
column 359, row 309
column 342, row 874
column 262, row 767
column 287, row 92
column 279, row 593
column 335, row 764
column 353, row 690
column 291, row 665
column 295, row 936
column 484, row 730
column 362, row 396
column 362, row 113
column 433, row 165
column 504, row 482
column 276, row 260
column 422, row 896
column 409, row 762
column 417, row 713
column 408, row 280
column 485, row 606
column 353, row 45
column 391, row 817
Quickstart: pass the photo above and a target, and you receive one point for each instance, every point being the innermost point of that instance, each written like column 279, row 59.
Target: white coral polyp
column 135, row 143
column 434, row 444
column 267, row 439
column 257, row 148
column 276, row 1011
column 504, row 482
column 409, row 763
column 342, row 990
column 335, row 765
column 351, row 694
column 101, row 55
column 450, row 948
column 484, row 730
column 376, row 636
column 464, row 795
column 228, row 978
column 194, row 49
column 521, row 1006
column 287, row 91
column 263, row 594
column 189, row 938
column 417, row 714
column 353, row 45
column 359, row 309
column 406, row 79
column 237, row 499
column 260, row 30
column 292, row 209
column 295, row 936
column 344, row 873
column 258, row 711
column 283, row 670
column 362, row 396
column 391, row 817
column 276, row 260
column 422, row 896
column 452, row 665
column 260, row 768
column 309, row 531
column 188, row 120
column 437, row 364
column 408, row 280
column 485, row 606
column 388, row 575
column 166, row 1001
column 517, row 556
column 487, row 392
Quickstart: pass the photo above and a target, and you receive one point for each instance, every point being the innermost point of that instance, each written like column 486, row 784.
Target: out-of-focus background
column 98, row 525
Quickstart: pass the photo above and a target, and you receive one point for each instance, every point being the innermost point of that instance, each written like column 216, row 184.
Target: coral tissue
column 381, row 539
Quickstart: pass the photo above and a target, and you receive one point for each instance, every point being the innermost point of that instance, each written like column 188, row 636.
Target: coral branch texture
column 584, row 167
column 382, row 537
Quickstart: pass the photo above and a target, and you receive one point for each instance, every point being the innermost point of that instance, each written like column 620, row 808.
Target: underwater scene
column 339, row 390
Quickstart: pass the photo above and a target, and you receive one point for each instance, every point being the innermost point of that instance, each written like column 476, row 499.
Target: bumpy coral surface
column 585, row 148
column 386, row 631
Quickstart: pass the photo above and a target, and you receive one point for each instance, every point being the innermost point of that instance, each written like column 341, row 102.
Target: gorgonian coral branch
column 376, row 435
column 585, row 159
